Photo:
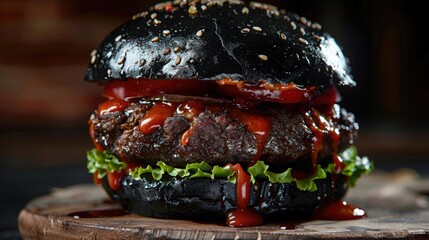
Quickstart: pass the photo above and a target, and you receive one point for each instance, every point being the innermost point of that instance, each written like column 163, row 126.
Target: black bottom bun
column 206, row 198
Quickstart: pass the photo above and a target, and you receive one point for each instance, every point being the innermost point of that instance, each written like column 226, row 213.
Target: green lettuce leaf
column 355, row 166
column 260, row 170
column 102, row 162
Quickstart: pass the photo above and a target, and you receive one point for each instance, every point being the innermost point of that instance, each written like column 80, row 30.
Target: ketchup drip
column 320, row 125
column 242, row 216
column 95, row 141
column 317, row 144
column 191, row 110
column 114, row 179
column 334, row 133
column 114, row 105
column 258, row 125
column 339, row 210
column 95, row 178
column 156, row 116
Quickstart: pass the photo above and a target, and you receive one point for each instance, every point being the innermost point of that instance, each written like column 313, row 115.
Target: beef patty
column 218, row 138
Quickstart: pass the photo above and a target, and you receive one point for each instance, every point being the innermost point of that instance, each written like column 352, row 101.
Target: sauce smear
column 258, row 125
column 317, row 144
column 339, row 210
column 156, row 116
column 114, row 105
column 95, row 178
column 114, row 179
column 95, row 141
column 191, row 110
column 242, row 216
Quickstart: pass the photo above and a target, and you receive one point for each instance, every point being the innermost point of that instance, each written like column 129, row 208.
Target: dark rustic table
column 397, row 203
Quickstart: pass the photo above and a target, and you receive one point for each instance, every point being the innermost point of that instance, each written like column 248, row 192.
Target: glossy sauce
column 320, row 125
column 242, row 216
column 282, row 93
column 99, row 213
column 190, row 110
column 114, row 179
column 339, row 210
column 138, row 88
column 317, row 144
column 95, row 141
column 114, row 105
column 258, row 125
column 95, row 178
column 156, row 116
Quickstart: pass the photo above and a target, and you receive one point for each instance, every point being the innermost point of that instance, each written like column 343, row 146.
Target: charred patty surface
column 217, row 137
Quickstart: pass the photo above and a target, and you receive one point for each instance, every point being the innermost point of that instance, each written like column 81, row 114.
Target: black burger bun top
column 212, row 40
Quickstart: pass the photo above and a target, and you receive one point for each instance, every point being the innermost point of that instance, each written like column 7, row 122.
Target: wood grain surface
column 397, row 203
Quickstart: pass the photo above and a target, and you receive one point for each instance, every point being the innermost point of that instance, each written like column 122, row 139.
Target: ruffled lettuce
column 102, row 162
column 260, row 170
column 355, row 166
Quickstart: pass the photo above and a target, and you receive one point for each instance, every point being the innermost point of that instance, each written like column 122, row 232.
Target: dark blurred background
column 45, row 104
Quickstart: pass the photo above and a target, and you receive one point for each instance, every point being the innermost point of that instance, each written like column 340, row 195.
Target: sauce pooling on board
column 242, row 216
column 339, row 210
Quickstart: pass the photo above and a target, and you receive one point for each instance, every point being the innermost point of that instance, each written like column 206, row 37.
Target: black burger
column 223, row 109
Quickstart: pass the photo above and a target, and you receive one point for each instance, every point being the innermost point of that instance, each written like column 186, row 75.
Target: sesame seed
column 283, row 36
column 303, row 41
column 192, row 61
column 166, row 32
column 167, row 51
column 200, row 33
column 157, row 22
column 293, row 25
column 316, row 25
column 317, row 37
column 109, row 73
column 118, row 38
column 263, row 57
column 154, row 15
column 178, row 60
column 204, row 8
column 93, row 52
column 256, row 28
column 155, row 39
column 176, row 49
column 302, row 31
column 93, row 59
column 192, row 10
column 276, row 13
column 245, row 10
column 142, row 62
column 303, row 20
column 245, row 30
column 121, row 60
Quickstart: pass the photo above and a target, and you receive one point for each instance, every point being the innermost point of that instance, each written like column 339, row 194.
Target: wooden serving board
column 397, row 207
